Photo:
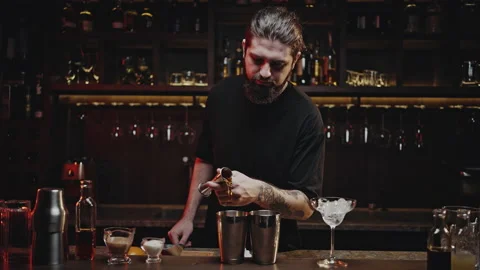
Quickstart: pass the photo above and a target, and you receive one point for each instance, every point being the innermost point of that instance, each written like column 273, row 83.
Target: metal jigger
column 49, row 219
column 225, row 176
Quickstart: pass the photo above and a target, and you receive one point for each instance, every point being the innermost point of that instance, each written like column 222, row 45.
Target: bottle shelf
column 169, row 40
column 371, row 44
column 425, row 44
column 469, row 44
column 318, row 16
column 445, row 92
column 420, row 91
column 119, row 89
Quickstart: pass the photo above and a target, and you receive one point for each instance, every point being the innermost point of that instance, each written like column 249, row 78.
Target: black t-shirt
column 281, row 143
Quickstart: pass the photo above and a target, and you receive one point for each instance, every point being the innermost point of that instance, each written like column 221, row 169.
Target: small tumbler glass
column 201, row 79
column 153, row 247
column 176, row 79
column 188, row 78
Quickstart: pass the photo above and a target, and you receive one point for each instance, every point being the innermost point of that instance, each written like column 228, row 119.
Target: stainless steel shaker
column 232, row 229
column 49, row 219
column 264, row 235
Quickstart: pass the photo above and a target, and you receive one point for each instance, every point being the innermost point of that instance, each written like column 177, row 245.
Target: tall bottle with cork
column 438, row 243
column 85, row 223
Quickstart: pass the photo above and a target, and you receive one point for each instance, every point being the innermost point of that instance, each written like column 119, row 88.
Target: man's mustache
column 259, row 78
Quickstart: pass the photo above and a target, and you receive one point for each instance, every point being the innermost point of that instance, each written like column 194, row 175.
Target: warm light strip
column 426, row 101
column 157, row 100
column 125, row 100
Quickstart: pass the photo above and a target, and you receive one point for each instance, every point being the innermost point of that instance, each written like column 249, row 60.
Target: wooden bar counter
column 207, row 259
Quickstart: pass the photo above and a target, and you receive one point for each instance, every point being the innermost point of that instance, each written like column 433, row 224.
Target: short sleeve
column 306, row 168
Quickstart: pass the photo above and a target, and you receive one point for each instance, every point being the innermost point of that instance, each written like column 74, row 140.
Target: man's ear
column 243, row 47
column 296, row 59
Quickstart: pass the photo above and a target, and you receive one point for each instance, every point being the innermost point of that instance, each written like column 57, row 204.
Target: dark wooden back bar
column 149, row 179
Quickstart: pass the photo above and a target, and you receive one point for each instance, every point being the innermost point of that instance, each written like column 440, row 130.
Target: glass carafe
column 464, row 242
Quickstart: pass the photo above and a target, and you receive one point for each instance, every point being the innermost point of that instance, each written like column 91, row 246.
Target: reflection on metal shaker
column 232, row 228
column 265, row 234
column 49, row 218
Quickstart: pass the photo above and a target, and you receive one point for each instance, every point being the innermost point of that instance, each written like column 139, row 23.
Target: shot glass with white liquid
column 153, row 247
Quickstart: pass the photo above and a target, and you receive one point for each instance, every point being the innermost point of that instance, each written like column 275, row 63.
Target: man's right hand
column 181, row 231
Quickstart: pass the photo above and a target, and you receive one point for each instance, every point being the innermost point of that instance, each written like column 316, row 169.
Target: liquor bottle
column 242, row 2
column 226, row 61
column 174, row 18
column 22, row 92
column 85, row 223
column 438, row 243
column 196, row 25
column 38, row 101
column 146, row 16
column 310, row 3
column 239, row 67
column 412, row 18
column 8, row 78
column 86, row 17
column 117, row 16
column 433, row 18
column 143, row 74
column 130, row 17
column 316, row 66
column 303, row 70
column 330, row 64
column 469, row 14
column 69, row 18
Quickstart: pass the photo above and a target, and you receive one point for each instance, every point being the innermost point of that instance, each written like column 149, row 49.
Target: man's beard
column 263, row 94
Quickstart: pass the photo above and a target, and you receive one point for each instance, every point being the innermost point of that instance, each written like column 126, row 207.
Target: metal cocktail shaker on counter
column 49, row 219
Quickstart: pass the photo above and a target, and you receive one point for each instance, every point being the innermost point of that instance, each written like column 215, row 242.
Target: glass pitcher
column 118, row 241
column 464, row 242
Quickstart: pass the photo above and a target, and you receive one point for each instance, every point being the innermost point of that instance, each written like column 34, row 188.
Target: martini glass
column 333, row 210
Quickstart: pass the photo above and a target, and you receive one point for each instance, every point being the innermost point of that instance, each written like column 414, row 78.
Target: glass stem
column 332, row 241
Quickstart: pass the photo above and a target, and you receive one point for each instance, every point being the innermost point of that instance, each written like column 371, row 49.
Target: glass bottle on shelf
column 38, row 103
column 144, row 74
column 310, row 3
column 433, row 18
column 71, row 73
column 316, row 66
column 127, row 75
column 330, row 64
column 69, row 21
column 226, row 61
column 130, row 16
column 86, row 17
column 174, row 18
column 147, row 16
column 242, row 2
column 196, row 21
column 438, row 243
column 85, row 223
column 302, row 68
column 117, row 16
column 469, row 18
column 239, row 64
column 412, row 18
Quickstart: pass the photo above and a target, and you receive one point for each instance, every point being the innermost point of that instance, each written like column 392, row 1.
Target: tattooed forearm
column 282, row 201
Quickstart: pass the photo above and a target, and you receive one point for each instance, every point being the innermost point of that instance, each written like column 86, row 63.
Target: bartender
column 269, row 134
